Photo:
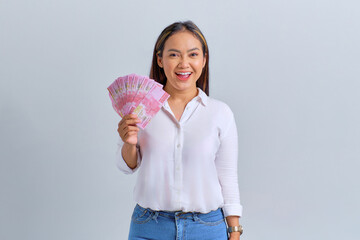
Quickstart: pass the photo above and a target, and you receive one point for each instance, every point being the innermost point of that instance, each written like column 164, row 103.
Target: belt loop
column 156, row 214
column 195, row 216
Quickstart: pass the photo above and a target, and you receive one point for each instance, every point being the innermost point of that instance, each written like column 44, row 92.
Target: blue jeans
column 158, row 225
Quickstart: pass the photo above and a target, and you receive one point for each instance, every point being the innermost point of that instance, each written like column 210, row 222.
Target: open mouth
column 183, row 75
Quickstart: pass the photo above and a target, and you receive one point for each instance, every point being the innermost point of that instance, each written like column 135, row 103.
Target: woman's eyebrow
column 175, row 50
column 193, row 49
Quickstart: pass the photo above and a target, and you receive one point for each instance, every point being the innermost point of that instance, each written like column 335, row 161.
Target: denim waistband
column 180, row 214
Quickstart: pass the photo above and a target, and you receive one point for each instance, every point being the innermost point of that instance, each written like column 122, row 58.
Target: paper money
column 137, row 94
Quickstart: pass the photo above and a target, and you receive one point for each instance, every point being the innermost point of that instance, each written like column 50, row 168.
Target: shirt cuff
column 232, row 210
column 121, row 164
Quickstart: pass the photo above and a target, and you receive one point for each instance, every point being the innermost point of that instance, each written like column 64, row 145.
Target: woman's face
column 182, row 60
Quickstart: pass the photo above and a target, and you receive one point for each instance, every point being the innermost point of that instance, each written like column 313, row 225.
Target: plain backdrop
column 289, row 70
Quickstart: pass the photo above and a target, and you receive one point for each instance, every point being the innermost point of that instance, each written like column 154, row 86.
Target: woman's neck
column 181, row 96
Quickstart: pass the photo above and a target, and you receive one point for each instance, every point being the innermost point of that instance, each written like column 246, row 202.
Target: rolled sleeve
column 120, row 162
column 226, row 163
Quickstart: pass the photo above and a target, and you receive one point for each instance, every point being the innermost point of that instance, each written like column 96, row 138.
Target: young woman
column 187, row 185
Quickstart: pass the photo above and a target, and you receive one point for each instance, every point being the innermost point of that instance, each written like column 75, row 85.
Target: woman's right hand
column 128, row 130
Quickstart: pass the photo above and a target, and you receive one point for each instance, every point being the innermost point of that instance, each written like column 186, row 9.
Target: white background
column 289, row 69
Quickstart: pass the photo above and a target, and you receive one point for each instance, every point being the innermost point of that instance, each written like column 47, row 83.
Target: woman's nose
column 184, row 63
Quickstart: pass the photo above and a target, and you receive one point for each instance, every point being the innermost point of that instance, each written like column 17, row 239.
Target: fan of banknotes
column 139, row 95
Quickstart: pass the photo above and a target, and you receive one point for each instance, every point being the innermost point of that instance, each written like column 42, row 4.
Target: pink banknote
column 150, row 105
column 137, row 94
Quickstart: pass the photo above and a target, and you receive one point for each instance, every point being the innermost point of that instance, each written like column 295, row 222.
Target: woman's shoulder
column 219, row 106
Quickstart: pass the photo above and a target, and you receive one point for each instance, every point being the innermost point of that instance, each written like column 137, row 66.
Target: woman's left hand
column 233, row 221
column 234, row 236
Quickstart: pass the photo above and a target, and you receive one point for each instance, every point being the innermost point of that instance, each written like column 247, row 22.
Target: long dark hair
column 158, row 74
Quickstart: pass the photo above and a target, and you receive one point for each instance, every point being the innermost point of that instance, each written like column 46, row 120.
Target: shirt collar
column 202, row 97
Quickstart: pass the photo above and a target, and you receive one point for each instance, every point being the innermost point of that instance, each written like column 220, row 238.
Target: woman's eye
column 194, row 54
column 173, row 55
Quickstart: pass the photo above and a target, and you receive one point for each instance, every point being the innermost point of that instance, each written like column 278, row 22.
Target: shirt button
column 178, row 146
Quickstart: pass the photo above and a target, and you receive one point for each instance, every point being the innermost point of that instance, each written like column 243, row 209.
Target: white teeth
column 187, row 73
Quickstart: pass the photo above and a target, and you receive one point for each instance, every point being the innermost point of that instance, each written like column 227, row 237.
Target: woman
column 187, row 156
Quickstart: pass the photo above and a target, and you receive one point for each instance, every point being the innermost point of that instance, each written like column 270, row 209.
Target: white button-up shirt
column 191, row 164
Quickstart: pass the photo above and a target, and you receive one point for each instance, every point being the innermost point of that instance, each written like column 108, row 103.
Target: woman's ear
column 159, row 60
